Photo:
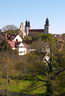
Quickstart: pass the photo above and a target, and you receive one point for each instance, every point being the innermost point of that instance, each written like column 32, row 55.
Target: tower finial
column 29, row 24
column 47, row 22
column 26, row 23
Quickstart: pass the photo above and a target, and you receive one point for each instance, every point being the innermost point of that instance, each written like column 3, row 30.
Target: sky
column 36, row 11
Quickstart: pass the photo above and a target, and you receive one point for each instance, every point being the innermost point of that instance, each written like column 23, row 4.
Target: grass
column 23, row 86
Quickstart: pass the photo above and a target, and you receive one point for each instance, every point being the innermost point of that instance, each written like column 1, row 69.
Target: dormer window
column 16, row 40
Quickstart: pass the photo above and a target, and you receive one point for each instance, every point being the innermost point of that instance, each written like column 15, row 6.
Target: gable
column 18, row 38
column 21, row 44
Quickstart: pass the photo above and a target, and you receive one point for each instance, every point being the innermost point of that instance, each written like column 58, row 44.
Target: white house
column 22, row 49
column 18, row 38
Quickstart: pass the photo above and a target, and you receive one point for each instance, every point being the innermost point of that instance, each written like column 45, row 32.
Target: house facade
column 18, row 38
column 23, row 49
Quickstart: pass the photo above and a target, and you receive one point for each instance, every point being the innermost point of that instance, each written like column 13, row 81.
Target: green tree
column 53, row 69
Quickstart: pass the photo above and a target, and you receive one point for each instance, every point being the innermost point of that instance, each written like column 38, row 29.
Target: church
column 25, row 30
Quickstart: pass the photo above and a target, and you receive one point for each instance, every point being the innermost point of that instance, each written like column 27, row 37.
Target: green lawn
column 23, row 86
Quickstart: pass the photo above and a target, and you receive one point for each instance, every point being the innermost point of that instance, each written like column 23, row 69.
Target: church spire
column 26, row 23
column 27, row 27
column 46, row 26
column 47, row 22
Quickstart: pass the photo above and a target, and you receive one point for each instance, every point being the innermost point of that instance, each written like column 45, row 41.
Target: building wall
column 18, row 38
column 22, row 51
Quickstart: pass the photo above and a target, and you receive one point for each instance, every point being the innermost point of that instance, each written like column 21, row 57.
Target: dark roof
column 26, row 46
column 36, row 30
column 47, row 22
column 11, row 37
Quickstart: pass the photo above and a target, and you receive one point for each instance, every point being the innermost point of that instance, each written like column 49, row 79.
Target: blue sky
column 17, row 11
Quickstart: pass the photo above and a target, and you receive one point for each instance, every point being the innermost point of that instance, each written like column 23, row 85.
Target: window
column 22, row 51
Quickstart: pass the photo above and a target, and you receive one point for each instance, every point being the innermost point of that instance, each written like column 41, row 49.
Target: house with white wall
column 17, row 43
column 18, row 38
column 23, row 49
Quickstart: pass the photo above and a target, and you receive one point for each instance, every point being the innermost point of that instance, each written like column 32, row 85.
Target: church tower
column 27, row 27
column 22, row 30
column 46, row 26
